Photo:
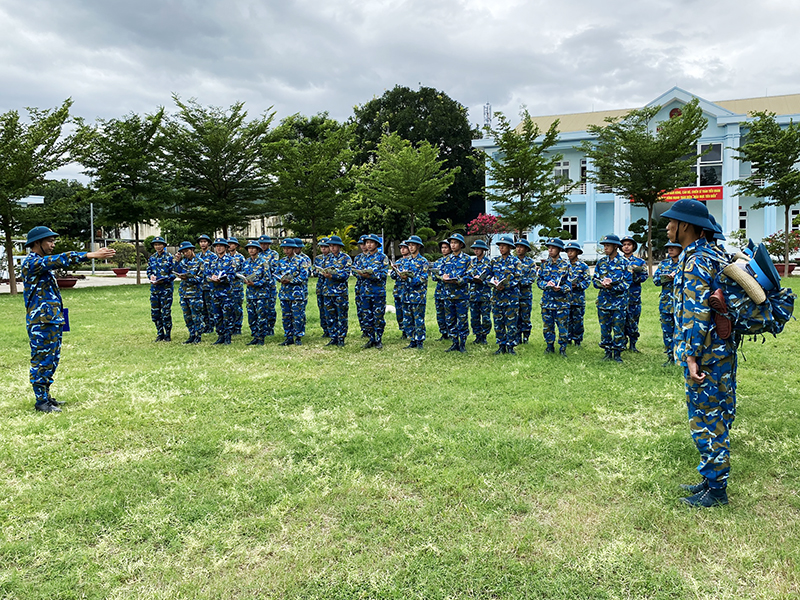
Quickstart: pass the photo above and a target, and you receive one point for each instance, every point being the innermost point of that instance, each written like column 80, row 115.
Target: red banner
column 712, row 192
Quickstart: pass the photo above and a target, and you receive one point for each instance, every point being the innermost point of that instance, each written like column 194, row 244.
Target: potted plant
column 125, row 254
column 66, row 244
column 776, row 245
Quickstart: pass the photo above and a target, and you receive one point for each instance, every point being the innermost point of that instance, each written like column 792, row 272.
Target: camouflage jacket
column 401, row 264
column 415, row 290
column 222, row 266
column 295, row 271
column 558, row 272
column 456, row 266
column 378, row 263
column 160, row 266
column 440, row 293
column 42, row 298
column 580, row 280
column 665, row 277
column 638, row 269
column 320, row 262
column 192, row 286
column 479, row 290
column 258, row 271
column 505, row 268
column 341, row 264
column 205, row 258
column 528, row 272
column 616, row 269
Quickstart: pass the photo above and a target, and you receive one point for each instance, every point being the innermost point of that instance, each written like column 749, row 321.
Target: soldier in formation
column 638, row 269
column 528, row 274
column 556, row 287
column 319, row 266
column 440, row 292
column 336, row 296
column 414, row 273
column 665, row 277
column 480, row 293
column 453, row 271
column 159, row 272
column 399, row 284
column 504, row 276
column 613, row 278
column 373, row 271
column 191, row 272
column 580, row 280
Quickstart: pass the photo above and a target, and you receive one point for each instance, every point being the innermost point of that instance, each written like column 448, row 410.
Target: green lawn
column 311, row 472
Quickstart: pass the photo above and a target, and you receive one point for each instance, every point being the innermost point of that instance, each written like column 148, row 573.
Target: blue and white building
column 592, row 212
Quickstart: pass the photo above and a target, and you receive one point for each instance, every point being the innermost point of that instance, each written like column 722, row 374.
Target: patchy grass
column 315, row 472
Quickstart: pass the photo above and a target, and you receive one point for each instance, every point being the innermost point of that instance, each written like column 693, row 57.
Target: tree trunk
column 413, row 220
column 314, row 247
column 650, row 239
column 786, row 232
column 225, row 231
column 138, row 257
column 12, row 276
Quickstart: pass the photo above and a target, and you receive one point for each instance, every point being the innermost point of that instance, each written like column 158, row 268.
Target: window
column 793, row 214
column 743, row 219
column 570, row 225
column 709, row 166
column 582, row 186
column 561, row 171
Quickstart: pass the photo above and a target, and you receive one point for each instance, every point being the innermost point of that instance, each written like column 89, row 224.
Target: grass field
column 311, row 472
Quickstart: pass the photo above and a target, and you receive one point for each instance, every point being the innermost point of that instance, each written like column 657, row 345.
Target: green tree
column 310, row 163
column 406, row 178
column 28, row 151
column 775, row 152
column 640, row 158
column 65, row 209
column 523, row 188
column 216, row 155
column 428, row 115
column 125, row 161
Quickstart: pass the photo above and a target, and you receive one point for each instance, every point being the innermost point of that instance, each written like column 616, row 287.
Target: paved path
column 98, row 280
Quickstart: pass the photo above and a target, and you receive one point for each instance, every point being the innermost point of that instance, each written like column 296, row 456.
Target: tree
column 216, row 155
column 428, row 115
column 28, row 151
column 65, row 209
column 310, row 162
column 449, row 228
column 487, row 226
column 125, row 161
column 775, row 152
column 406, row 178
column 525, row 192
column 641, row 159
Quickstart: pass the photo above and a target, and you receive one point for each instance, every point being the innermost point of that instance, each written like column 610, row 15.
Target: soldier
column 665, row 277
column 320, row 262
column 554, row 281
column 337, row 302
column 237, row 287
column 266, row 251
column 159, row 271
column 293, row 275
column 399, row 284
column 360, row 285
column 271, row 257
column 440, row 293
column 415, row 292
column 504, row 276
column 44, row 311
column 221, row 273
column 613, row 278
column 373, row 271
column 480, row 293
column 258, row 277
column 206, row 255
column 580, row 280
column 709, row 361
column 639, row 275
column 454, row 275
column 191, row 271
column 528, row 273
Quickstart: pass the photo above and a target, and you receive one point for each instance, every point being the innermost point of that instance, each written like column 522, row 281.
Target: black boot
column 550, row 349
column 563, row 351
column 190, row 340
column 609, row 355
column 453, row 346
column 287, row 342
column 500, row 350
column 411, row 344
column 697, row 487
column 633, row 347
column 253, row 342
column 220, row 339
column 369, row 344
column 462, row 346
column 617, row 357
column 332, row 342
column 510, row 350
column 377, row 344
column 197, row 339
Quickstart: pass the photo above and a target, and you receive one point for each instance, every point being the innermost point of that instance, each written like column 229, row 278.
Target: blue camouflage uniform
column 337, row 301
column 415, row 298
column 190, row 291
column 44, row 317
column 505, row 302
column 359, row 293
column 271, row 260
column 555, row 303
column 160, row 265
column 639, row 275
column 321, row 262
column 398, row 292
column 665, row 277
column 259, row 272
column 456, row 266
column 222, row 295
column 480, row 298
column 237, row 293
column 440, row 297
column 613, row 302
column 208, row 301
column 373, row 295
column 293, row 296
column 711, row 405
column 580, row 280
column 528, row 275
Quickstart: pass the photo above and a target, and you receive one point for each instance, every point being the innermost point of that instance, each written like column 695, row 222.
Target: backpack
column 751, row 319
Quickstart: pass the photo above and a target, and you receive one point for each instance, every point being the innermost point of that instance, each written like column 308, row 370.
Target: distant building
column 592, row 213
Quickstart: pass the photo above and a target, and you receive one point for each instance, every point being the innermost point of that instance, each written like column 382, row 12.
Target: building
column 591, row 212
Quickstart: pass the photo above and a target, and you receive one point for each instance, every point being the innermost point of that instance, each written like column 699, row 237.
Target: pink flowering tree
column 487, row 226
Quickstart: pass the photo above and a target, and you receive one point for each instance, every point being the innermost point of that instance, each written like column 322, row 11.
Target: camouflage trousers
column 45, row 340
column 336, row 315
column 414, row 322
column 360, row 311
column 293, row 317
column 323, row 317
column 222, row 304
column 257, row 316
column 525, row 310
column 711, row 408
column 553, row 318
column 668, row 332
column 632, row 315
column 161, row 308
column 208, row 311
column 441, row 315
column 575, row 322
column 480, row 313
column 270, row 314
column 193, row 314
column 612, row 328
column 506, row 314
column 457, row 318
column 237, row 295
column 399, row 312
column 374, row 317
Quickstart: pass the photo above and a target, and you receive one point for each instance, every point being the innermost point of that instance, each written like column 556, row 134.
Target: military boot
column 550, row 349
column 694, row 488
column 453, row 347
column 633, row 347
column 563, row 351
column 289, row 341
column 617, row 356
column 462, row 346
column 707, row 498
column 510, row 350
column 608, row 355
column 220, row 339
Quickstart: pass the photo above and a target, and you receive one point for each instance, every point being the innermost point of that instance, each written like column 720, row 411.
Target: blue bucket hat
column 611, row 239
column 253, row 244
column 445, row 242
column 159, row 240
column 362, row 239
column 573, row 245
column 186, row 246
column 203, row 236
column 480, row 244
column 628, row 238
column 508, row 240
column 555, row 242
column 673, row 245
column 221, row 242
column 335, row 240
column 524, row 243
column 288, row 243
column 298, row 243
column 372, row 237
column 39, row 233
column 458, row 237
column 323, row 242
column 415, row 239
column 403, row 243
column 264, row 239
column 689, row 210
column 233, row 240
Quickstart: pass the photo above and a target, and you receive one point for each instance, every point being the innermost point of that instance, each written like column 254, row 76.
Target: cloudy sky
column 113, row 57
